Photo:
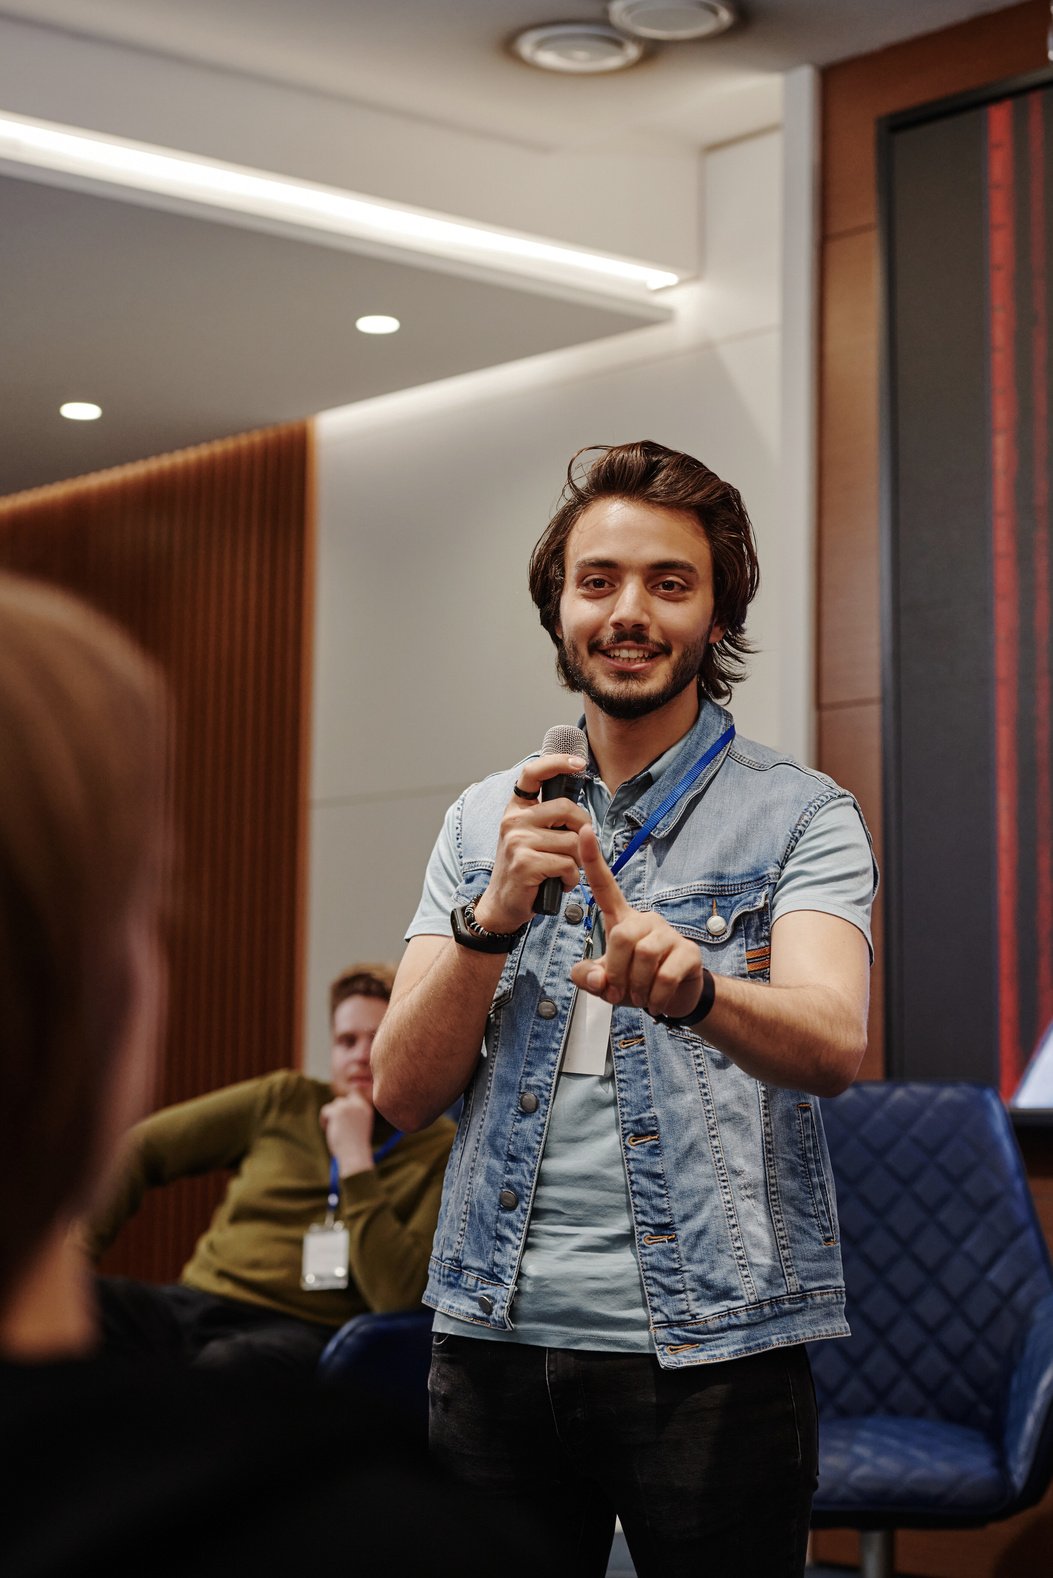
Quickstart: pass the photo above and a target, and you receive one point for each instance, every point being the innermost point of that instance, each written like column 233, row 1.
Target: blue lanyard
column 333, row 1197
column 388, row 1145
column 671, row 799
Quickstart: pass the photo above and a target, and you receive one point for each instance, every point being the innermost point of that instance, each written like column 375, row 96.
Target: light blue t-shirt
column 579, row 1282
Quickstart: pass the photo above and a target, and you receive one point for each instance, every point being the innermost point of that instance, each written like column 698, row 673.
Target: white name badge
column 589, row 1036
column 324, row 1258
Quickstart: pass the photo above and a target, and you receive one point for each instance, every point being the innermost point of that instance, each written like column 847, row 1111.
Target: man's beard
column 627, row 696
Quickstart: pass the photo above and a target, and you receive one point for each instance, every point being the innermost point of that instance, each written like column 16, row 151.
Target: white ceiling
column 185, row 329
column 447, row 61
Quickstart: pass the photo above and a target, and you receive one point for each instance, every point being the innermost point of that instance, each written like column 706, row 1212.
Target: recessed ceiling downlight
column 80, row 411
column 671, row 20
column 577, row 48
column 377, row 323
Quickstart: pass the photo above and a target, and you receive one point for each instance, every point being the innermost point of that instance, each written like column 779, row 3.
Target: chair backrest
column 384, row 1359
column 944, row 1257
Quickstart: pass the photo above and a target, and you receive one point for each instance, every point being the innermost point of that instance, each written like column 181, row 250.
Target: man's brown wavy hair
column 648, row 473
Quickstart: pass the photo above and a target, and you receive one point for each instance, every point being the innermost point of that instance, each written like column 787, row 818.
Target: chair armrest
column 1028, row 1432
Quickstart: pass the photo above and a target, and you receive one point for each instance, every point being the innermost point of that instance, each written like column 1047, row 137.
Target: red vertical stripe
column 1043, row 690
column 1004, row 465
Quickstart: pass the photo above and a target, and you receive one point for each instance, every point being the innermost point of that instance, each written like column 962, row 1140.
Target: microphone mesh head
column 565, row 739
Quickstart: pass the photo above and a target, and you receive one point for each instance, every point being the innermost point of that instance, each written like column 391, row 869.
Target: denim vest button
column 546, row 1008
column 716, row 925
column 486, row 1304
column 508, row 1199
column 528, row 1101
column 574, row 913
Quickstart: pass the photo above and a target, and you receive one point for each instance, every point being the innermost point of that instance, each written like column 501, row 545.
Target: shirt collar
column 646, row 789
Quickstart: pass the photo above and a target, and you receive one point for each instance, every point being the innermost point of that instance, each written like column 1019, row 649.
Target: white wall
column 430, row 666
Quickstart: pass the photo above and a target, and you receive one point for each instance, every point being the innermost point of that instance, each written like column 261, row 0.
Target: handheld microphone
column 563, row 739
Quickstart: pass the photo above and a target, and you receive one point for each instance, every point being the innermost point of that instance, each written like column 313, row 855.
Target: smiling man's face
column 636, row 613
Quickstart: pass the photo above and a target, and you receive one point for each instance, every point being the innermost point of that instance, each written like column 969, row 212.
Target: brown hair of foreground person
column 82, row 856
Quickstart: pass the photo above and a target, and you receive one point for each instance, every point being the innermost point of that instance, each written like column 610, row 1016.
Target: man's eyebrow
column 658, row 564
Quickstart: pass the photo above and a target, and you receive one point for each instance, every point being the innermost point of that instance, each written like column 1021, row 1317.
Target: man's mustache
column 633, row 639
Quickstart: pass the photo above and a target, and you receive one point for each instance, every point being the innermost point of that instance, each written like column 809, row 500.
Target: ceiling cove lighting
column 80, row 411
column 180, row 177
column 377, row 323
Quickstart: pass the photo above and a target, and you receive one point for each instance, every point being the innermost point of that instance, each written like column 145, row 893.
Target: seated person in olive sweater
column 304, row 1155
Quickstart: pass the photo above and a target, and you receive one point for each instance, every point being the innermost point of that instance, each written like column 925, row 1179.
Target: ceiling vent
column 577, row 48
column 672, row 20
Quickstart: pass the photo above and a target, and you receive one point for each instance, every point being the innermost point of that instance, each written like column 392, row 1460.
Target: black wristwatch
column 468, row 932
column 700, row 1010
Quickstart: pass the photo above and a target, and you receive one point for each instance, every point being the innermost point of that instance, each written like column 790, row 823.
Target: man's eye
column 595, row 583
column 671, row 586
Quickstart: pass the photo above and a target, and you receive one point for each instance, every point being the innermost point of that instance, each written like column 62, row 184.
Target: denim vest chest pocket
column 730, row 922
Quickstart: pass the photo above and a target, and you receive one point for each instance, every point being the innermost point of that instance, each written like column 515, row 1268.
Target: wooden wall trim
column 856, row 93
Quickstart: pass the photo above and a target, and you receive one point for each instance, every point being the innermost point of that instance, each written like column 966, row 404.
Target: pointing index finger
column 604, row 886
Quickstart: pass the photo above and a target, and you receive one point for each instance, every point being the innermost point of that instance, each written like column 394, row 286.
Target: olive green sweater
column 268, row 1132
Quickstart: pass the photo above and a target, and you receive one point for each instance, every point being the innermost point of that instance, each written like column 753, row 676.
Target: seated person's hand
column 348, row 1124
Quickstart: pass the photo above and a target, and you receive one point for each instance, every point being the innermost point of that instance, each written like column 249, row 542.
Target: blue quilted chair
column 383, row 1360
column 938, row 1410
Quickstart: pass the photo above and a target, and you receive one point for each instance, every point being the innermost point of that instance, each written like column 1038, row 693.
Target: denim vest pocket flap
column 731, row 926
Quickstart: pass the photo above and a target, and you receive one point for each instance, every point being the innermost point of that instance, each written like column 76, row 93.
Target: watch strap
column 701, row 1008
column 469, row 934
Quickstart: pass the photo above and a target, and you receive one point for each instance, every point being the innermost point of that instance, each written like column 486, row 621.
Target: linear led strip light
column 186, row 178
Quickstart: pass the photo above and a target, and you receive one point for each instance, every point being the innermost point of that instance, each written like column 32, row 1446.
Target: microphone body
column 564, row 739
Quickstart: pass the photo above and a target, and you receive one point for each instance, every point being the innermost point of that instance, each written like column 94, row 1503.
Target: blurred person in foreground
column 107, row 1466
column 329, row 1211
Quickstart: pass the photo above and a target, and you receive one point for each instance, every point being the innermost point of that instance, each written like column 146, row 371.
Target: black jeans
column 711, row 1468
column 141, row 1320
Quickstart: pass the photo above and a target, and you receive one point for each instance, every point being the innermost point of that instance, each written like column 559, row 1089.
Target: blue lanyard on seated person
column 674, row 795
column 333, row 1197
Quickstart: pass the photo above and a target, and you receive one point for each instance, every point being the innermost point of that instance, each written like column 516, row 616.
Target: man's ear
column 716, row 633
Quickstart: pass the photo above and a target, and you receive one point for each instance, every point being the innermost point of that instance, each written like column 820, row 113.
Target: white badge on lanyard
column 589, row 1036
column 326, row 1244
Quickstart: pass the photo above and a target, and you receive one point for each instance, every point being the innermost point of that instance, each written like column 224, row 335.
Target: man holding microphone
column 638, row 1232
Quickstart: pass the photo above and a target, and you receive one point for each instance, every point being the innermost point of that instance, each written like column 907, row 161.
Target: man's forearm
column 808, row 1038
column 428, row 1045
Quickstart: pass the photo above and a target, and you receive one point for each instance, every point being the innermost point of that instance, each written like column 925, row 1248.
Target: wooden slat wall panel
column 855, row 93
column 204, row 557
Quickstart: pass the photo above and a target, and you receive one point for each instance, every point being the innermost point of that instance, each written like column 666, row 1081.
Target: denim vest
column 729, row 1179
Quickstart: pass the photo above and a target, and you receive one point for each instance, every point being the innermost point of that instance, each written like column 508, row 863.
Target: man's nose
column 631, row 606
